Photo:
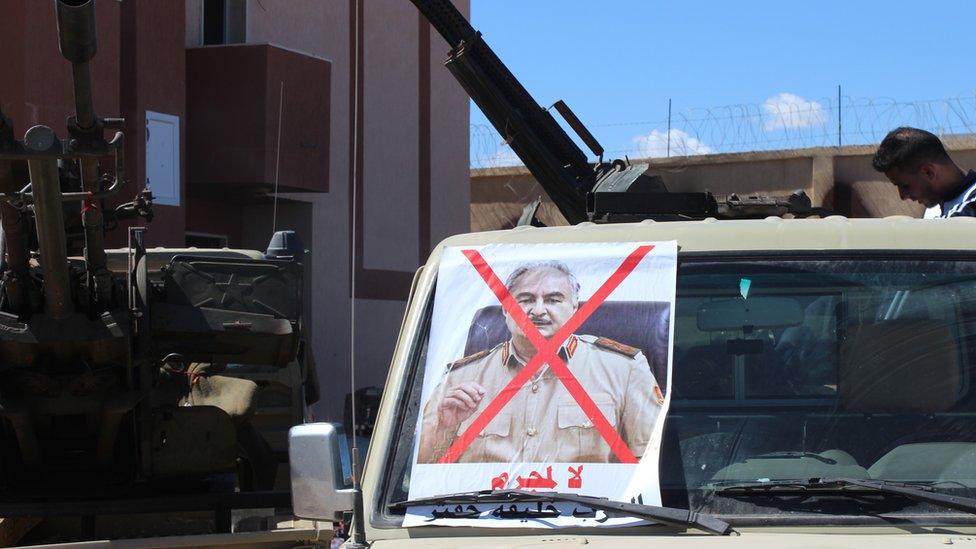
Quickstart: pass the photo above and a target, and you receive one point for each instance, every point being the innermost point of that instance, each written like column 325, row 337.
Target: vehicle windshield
column 859, row 366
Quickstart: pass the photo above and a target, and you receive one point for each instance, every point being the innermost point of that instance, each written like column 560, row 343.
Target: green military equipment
column 123, row 368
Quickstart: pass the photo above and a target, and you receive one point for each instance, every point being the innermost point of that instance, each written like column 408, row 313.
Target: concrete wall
column 411, row 172
column 153, row 78
column 234, row 96
column 35, row 85
column 840, row 178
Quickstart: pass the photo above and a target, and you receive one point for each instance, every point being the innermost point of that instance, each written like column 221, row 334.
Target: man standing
column 917, row 163
column 543, row 422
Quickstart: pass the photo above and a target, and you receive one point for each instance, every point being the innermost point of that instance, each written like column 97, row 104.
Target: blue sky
column 616, row 63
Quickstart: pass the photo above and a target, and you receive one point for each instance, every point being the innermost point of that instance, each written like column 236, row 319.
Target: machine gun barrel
column 560, row 167
column 78, row 44
column 77, row 41
column 50, row 223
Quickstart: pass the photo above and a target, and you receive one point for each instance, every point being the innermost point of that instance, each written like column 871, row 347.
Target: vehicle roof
column 772, row 233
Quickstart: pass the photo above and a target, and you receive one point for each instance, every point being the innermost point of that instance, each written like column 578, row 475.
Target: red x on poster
column 546, row 353
column 562, row 365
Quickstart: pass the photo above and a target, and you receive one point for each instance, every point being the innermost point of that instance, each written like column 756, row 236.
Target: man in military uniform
column 543, row 422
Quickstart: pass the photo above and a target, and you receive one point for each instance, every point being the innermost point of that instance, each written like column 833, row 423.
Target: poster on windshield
column 548, row 369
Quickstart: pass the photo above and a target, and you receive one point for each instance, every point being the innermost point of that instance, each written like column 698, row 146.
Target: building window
column 204, row 240
column 224, row 21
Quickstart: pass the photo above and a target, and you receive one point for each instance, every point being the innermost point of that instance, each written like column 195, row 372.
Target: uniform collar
column 566, row 352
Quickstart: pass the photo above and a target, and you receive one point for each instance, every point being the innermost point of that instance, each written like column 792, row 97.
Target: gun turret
column 557, row 163
column 93, row 367
column 77, row 40
column 605, row 191
column 49, row 158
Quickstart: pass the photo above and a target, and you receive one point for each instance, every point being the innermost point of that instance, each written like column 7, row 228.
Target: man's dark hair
column 906, row 149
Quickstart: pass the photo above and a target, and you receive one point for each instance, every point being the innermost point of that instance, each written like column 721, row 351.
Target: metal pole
column 274, row 207
column 99, row 278
column 669, row 127
column 358, row 540
column 49, row 218
column 839, row 120
column 77, row 40
column 83, row 95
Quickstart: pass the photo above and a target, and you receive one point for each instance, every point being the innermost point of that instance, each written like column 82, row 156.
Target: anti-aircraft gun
column 605, row 191
column 122, row 370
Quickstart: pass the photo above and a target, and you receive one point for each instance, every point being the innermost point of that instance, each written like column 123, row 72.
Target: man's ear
column 929, row 170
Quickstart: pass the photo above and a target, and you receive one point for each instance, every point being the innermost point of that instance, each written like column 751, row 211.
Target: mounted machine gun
column 606, row 191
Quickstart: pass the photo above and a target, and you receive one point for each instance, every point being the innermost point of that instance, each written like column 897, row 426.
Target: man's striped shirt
column 964, row 204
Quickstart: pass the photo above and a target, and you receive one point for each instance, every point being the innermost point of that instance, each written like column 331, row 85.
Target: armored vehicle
column 132, row 372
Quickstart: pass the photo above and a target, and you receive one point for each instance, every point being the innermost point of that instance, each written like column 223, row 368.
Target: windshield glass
column 854, row 367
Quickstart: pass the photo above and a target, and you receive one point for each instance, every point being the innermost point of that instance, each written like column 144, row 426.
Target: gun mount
column 605, row 191
column 119, row 368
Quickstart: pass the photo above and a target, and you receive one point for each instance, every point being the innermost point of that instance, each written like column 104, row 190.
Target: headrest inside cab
column 899, row 366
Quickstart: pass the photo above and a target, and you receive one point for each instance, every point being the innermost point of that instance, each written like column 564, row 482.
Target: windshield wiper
column 916, row 492
column 682, row 518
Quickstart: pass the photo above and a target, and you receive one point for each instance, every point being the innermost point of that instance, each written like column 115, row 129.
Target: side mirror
column 319, row 489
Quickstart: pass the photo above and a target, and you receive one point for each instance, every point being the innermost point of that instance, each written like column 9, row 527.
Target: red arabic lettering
column 535, row 480
column 575, row 481
column 499, row 482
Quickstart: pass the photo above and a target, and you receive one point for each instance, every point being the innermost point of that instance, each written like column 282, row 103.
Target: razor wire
column 781, row 122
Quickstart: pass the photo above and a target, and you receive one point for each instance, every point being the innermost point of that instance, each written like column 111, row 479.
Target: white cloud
column 655, row 144
column 787, row 110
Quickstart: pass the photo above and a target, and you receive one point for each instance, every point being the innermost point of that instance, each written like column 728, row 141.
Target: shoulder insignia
column 467, row 360
column 616, row 346
column 571, row 346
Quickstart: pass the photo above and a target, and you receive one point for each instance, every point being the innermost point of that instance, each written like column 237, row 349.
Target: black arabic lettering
column 457, row 512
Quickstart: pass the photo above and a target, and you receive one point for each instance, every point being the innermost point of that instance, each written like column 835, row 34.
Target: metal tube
column 77, row 40
column 99, row 278
column 84, row 106
column 116, row 146
column 49, row 218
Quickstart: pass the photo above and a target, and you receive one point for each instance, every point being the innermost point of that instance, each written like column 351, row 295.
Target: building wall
column 258, row 116
column 840, row 178
column 36, row 79
column 152, row 78
column 411, row 172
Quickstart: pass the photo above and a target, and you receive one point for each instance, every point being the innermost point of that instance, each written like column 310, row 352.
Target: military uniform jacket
column 543, row 423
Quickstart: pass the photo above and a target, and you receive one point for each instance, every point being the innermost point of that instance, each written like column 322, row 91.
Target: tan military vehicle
column 816, row 375
column 841, row 414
